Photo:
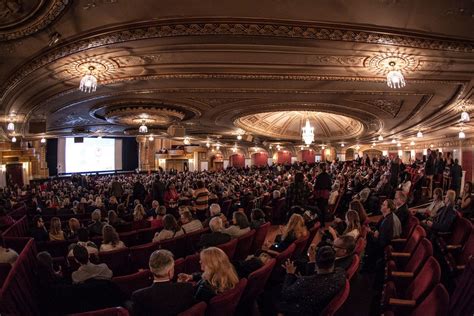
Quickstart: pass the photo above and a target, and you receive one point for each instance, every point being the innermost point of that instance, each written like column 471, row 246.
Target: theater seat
column 300, row 246
column 401, row 268
column 198, row 309
column 455, row 240
column 278, row 271
column 192, row 240
column 226, row 303
column 259, row 238
column 244, row 243
column 117, row 260
column 360, row 246
column 112, row 311
column 435, row 304
column 352, row 269
column 132, row 282
column 140, row 255
column 191, row 264
column 337, row 301
column 229, row 248
column 457, row 260
column 176, row 245
column 416, row 236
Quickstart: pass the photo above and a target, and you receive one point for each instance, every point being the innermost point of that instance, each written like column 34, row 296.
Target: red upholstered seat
column 198, row 309
column 57, row 248
column 300, row 246
column 352, row 269
column 226, row 207
column 422, row 252
column 176, row 245
column 226, row 303
column 179, row 266
column 117, row 260
column 229, row 248
column 244, row 244
column 4, row 270
column 277, row 211
column 312, row 233
column 111, row 311
column 417, row 235
column 360, row 246
column 191, row 264
column 140, row 255
column 145, row 235
column 255, row 285
column 435, row 304
column 192, row 240
column 130, row 238
column 460, row 233
column 278, row 271
column 337, row 301
column 458, row 260
column 428, row 277
column 259, row 238
column 130, row 283
column 410, row 225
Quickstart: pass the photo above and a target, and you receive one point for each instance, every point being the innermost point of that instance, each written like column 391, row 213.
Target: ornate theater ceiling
column 217, row 67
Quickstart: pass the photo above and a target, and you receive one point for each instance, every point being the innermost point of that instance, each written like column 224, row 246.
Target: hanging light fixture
column 302, row 147
column 373, row 144
column 151, row 138
column 239, row 137
column 357, row 147
column 13, row 139
column 412, row 143
column 270, row 147
column 218, row 146
column 399, row 145
column 11, row 126
column 186, row 141
column 208, row 144
column 464, row 114
column 431, row 145
column 342, row 145
column 395, row 78
column 88, row 82
column 380, row 138
column 234, row 149
column 143, row 129
column 43, row 140
column 419, row 134
column 323, row 147
column 308, row 133
column 393, row 141
column 461, row 133
column 278, row 147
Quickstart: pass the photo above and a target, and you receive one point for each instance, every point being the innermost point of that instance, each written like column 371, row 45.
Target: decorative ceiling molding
column 252, row 28
column 389, row 106
column 21, row 18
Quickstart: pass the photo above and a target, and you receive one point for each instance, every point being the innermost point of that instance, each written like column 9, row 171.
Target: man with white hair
column 216, row 236
column 215, row 211
column 163, row 297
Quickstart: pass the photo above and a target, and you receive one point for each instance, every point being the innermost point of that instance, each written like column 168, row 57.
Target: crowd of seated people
column 337, row 197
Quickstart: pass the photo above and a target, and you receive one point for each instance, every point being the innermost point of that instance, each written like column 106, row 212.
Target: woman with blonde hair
column 218, row 275
column 294, row 230
column 55, row 231
column 110, row 239
column 353, row 224
column 74, row 226
column 139, row 217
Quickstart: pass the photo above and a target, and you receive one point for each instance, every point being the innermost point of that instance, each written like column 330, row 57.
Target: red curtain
column 308, row 156
column 237, row 161
column 284, row 157
column 260, row 159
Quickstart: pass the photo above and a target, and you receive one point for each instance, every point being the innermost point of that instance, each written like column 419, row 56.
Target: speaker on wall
column 78, row 139
column 37, row 127
column 176, row 131
column 247, row 138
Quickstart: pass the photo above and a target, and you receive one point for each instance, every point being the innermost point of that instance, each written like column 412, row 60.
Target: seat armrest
column 398, row 240
column 401, row 274
column 453, row 247
column 399, row 302
column 401, row 254
column 444, row 233
column 460, row 267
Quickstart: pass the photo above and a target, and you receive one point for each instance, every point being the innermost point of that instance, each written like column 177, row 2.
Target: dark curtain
column 52, row 156
column 129, row 153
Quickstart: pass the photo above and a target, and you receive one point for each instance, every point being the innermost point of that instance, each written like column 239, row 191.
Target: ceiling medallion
column 104, row 69
column 134, row 115
column 383, row 63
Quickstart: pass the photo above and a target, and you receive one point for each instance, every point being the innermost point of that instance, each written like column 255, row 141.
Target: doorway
column 14, row 174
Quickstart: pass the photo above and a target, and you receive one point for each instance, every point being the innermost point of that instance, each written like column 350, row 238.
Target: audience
column 38, row 231
column 216, row 236
column 95, row 228
column 446, row 215
column 110, row 239
column 163, row 297
column 188, row 224
column 170, row 229
column 74, row 226
column 83, row 240
column 294, row 230
column 402, row 207
column 215, row 211
column 5, row 220
column 7, row 255
column 257, row 218
column 240, row 225
column 55, row 231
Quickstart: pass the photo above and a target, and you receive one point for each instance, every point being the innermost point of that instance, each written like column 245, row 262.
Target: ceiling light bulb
column 323, row 147
column 431, row 145
column 395, row 79
column 380, row 138
column 278, row 147
column 393, row 141
column 208, row 145
column 239, row 137
column 13, row 139
column 218, row 146
column 11, row 126
column 373, row 144
column 151, row 138
column 143, row 129
column 419, row 134
column 412, row 143
column 302, row 147
column 270, row 147
column 88, row 82
column 342, row 145
column 99, row 137
column 186, row 141
column 43, row 140
column 465, row 116
column 399, row 145
column 461, row 134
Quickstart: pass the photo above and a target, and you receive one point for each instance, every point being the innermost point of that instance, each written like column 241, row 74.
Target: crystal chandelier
column 186, row 141
column 43, row 140
column 395, row 78
column 11, row 126
column 308, row 133
column 464, row 115
column 88, row 82
column 419, row 134
column 143, row 129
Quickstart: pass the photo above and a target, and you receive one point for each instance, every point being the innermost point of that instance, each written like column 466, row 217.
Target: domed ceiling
column 287, row 125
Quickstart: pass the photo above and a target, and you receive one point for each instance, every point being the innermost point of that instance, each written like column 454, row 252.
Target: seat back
column 226, row 207
column 435, row 304
column 244, row 244
column 132, row 282
column 57, row 248
column 145, row 235
column 229, row 248
column 4, row 270
column 427, row 278
column 360, row 246
column 409, row 226
column 226, row 303
column 417, row 235
column 191, row 264
column 461, row 230
column 278, row 211
column 352, row 269
column 300, row 246
column 422, row 252
column 130, row 239
column 117, row 260
column 467, row 250
column 111, row 311
column 337, row 301
column 312, row 233
column 198, row 309
column 256, row 283
column 278, row 271
column 259, row 238
column 176, row 245
column 140, row 255
column 179, row 266
column 192, row 240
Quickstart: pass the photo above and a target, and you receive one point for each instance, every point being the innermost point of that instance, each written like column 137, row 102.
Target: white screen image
column 94, row 154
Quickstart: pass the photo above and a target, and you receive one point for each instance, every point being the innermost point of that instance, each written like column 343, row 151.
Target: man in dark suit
column 163, row 297
column 322, row 189
column 456, row 176
column 216, row 237
column 116, row 189
column 443, row 222
column 159, row 190
column 402, row 207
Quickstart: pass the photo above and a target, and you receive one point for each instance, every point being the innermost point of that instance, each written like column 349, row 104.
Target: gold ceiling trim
column 240, row 27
